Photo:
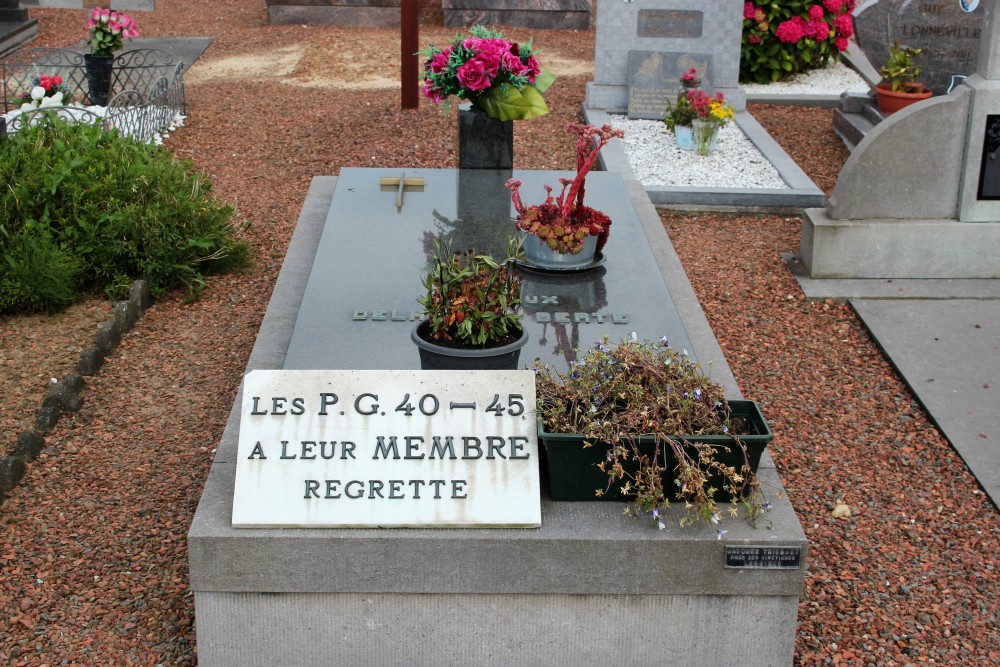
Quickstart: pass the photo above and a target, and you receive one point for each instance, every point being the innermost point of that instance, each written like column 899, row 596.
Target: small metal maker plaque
column 761, row 557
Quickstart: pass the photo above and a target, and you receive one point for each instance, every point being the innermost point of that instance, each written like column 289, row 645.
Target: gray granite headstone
column 654, row 79
column 948, row 36
column 628, row 32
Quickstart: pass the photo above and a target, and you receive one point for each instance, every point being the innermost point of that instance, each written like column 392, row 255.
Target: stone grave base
column 16, row 28
column 355, row 13
column 898, row 248
column 540, row 14
column 589, row 586
column 801, row 191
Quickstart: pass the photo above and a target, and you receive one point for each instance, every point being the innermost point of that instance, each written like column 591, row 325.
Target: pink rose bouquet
column 563, row 222
column 501, row 77
column 108, row 30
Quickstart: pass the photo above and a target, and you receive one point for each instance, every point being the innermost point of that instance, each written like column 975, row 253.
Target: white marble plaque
column 446, row 449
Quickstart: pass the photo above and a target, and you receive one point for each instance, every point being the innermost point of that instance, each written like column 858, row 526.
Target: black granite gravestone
column 654, row 79
column 360, row 302
column 948, row 37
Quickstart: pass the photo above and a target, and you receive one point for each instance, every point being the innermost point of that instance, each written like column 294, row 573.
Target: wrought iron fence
column 147, row 88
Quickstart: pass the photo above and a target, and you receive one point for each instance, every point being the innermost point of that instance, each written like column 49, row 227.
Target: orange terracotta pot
column 890, row 101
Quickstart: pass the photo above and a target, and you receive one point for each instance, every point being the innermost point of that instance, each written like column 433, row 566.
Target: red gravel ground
column 92, row 547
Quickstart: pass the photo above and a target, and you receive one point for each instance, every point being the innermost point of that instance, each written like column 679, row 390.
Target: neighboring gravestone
column 643, row 47
column 543, row 14
column 118, row 5
column 948, row 36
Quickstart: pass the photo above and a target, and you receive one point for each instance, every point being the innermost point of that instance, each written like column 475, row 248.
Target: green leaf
column 515, row 105
column 544, row 80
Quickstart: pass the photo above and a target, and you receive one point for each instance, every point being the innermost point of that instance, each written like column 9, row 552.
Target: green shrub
column 35, row 274
column 785, row 37
column 114, row 209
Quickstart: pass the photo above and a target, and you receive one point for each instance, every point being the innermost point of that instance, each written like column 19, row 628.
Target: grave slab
column 948, row 353
column 559, row 594
column 359, row 307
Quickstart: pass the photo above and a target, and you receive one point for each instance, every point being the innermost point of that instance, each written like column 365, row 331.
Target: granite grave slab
column 359, row 307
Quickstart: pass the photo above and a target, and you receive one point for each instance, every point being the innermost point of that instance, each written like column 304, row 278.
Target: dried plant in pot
column 639, row 421
column 562, row 232
column 900, row 87
column 471, row 305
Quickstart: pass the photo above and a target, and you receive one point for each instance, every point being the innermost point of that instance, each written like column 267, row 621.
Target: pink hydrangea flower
column 790, row 31
column 840, row 43
column 821, row 30
column 844, row 25
column 816, row 12
column 833, row 5
column 753, row 39
column 749, row 9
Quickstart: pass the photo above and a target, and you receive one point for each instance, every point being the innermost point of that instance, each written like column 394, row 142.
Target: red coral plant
column 563, row 222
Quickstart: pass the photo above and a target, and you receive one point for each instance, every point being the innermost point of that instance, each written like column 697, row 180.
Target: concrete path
column 943, row 337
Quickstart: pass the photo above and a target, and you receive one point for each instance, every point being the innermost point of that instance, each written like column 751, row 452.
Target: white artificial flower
column 37, row 93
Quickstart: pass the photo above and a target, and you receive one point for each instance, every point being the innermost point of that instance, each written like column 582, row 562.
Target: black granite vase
column 98, row 70
column 483, row 141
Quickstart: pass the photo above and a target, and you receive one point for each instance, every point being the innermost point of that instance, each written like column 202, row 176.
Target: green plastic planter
column 573, row 473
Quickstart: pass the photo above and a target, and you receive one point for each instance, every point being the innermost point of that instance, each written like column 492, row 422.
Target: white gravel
column 656, row 161
column 736, row 163
column 833, row 79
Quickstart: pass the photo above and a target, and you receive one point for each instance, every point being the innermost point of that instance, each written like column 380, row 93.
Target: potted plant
column 108, row 30
column 501, row 80
column 711, row 113
column 900, row 88
column 639, row 421
column 680, row 114
column 471, row 306
column 562, row 232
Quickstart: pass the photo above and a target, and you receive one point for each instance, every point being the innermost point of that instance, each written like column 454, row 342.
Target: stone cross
column 401, row 184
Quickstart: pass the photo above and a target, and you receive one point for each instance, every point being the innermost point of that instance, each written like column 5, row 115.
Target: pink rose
column 491, row 57
column 512, row 63
column 816, row 12
column 534, row 69
column 433, row 94
column 472, row 75
column 439, row 61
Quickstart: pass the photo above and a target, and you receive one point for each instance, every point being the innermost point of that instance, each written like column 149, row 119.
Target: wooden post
column 409, row 27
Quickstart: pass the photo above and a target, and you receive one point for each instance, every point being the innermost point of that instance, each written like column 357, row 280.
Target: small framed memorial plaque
column 763, row 557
